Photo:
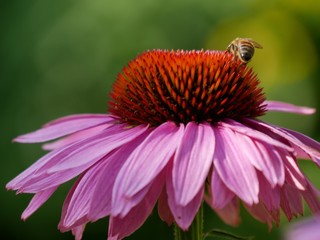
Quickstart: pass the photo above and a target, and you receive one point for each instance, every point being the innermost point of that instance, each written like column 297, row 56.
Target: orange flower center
column 183, row 86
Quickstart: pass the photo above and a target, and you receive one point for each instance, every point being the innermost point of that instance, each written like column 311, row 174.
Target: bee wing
column 255, row 44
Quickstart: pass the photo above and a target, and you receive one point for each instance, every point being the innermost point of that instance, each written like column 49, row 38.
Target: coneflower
column 182, row 129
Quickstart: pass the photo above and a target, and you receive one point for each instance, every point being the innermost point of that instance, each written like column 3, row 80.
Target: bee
column 243, row 48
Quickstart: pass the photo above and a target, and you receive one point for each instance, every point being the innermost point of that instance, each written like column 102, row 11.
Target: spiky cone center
column 184, row 86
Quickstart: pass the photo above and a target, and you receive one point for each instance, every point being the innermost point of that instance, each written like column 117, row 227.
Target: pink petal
column 183, row 215
column 307, row 230
column 37, row 201
column 62, row 227
column 144, row 164
column 262, row 152
column 286, row 107
column 192, row 161
column 260, row 213
column 81, row 158
column 79, row 203
column 96, row 149
column 27, row 174
column 64, row 127
column 300, row 154
column 311, row 196
column 129, row 203
column 53, row 158
column 65, row 211
column 233, row 167
column 252, row 152
column 270, row 196
column 254, row 134
column 293, row 174
column 297, row 139
column 163, row 208
column 272, row 166
column 307, row 141
column 230, row 214
column 220, row 194
column 295, row 201
column 78, row 231
column 122, row 227
column 76, row 117
column 75, row 137
column 101, row 200
column 264, row 158
column 290, row 201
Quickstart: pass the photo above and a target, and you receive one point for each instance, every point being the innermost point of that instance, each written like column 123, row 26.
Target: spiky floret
column 184, row 86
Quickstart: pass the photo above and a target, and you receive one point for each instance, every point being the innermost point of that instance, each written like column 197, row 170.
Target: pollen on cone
column 184, row 86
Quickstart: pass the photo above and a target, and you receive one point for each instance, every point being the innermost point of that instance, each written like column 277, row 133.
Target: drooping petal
column 192, row 161
column 307, row 141
column 230, row 214
column 307, row 145
column 287, row 107
column 79, row 203
column 293, row 174
column 64, row 126
column 78, row 116
column 234, row 169
column 262, row 151
column 78, row 231
column 37, row 201
column 120, row 227
column 255, row 134
column 259, row 212
column 96, row 149
column 270, row 196
column 252, row 152
column 183, row 215
column 53, row 158
column 295, row 201
column 163, row 208
column 101, row 199
column 263, row 157
column 290, row 201
column 19, row 180
column 300, row 154
column 70, row 162
column 75, row 137
column 272, row 164
column 144, row 164
column 220, row 194
column 62, row 226
column 311, row 195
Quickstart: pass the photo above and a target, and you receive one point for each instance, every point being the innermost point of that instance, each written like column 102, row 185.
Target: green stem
column 195, row 231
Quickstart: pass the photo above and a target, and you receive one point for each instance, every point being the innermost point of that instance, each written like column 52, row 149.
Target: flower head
column 185, row 86
column 182, row 129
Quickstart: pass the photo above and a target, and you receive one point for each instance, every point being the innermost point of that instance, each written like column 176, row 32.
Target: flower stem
column 195, row 231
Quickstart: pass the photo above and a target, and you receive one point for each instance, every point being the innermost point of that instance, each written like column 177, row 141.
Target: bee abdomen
column 246, row 51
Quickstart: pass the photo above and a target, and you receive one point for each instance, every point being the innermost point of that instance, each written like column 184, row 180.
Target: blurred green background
column 61, row 57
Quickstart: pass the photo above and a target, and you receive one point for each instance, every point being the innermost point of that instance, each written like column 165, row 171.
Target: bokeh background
column 61, row 57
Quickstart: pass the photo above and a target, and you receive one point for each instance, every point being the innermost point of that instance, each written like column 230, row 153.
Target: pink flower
column 308, row 229
column 182, row 129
